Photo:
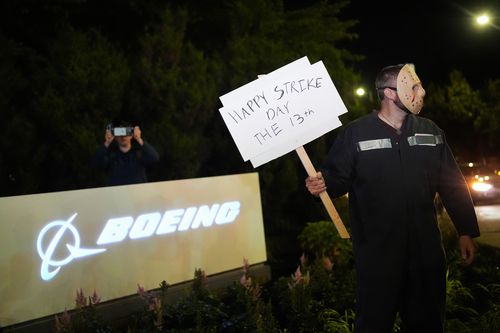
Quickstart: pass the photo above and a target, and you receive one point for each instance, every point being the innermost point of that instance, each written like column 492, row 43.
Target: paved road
column 489, row 224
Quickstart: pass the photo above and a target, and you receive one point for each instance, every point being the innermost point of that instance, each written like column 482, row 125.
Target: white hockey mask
column 410, row 90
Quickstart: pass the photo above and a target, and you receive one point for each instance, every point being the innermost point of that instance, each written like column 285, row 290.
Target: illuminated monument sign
column 111, row 239
column 117, row 229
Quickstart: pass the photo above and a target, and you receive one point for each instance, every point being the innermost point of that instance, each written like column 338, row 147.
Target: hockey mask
column 410, row 90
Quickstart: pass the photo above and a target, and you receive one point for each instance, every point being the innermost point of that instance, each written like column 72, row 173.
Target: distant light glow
column 483, row 19
column 360, row 91
column 486, row 19
column 481, row 187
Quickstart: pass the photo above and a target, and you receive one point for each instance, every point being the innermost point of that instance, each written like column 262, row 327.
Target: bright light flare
column 483, row 19
column 360, row 91
column 481, row 186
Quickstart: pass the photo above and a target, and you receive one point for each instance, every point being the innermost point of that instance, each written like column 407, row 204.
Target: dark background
column 437, row 36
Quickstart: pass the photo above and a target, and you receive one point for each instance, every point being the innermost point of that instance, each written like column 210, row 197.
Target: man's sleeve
column 149, row 154
column 455, row 195
column 101, row 157
column 338, row 165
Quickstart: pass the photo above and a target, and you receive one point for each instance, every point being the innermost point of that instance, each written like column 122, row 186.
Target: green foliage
column 237, row 308
column 174, row 91
column 82, row 91
column 247, row 310
column 464, row 102
column 488, row 321
column 83, row 319
column 488, row 120
column 317, row 297
column 322, row 239
column 472, row 293
column 322, row 287
column 333, row 322
column 331, row 263
column 470, row 117
column 152, row 317
column 459, row 299
column 72, row 91
column 200, row 311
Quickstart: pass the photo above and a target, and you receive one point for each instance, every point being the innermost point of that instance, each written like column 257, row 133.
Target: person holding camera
column 124, row 160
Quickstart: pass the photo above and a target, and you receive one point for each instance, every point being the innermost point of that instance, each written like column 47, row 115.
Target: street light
column 486, row 18
column 483, row 19
column 360, row 91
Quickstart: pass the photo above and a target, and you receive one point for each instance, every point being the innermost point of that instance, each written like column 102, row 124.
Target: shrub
column 84, row 318
column 318, row 297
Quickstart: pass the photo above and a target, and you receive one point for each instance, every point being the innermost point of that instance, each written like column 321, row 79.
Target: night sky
column 437, row 36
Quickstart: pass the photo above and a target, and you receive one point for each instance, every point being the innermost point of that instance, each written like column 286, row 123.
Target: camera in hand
column 121, row 131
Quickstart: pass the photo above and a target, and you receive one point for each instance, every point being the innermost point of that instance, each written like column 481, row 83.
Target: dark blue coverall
column 125, row 168
column 391, row 180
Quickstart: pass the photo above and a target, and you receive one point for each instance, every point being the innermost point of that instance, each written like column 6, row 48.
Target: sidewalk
column 489, row 224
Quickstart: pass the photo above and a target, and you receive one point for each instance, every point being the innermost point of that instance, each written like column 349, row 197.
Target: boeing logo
column 75, row 251
column 117, row 229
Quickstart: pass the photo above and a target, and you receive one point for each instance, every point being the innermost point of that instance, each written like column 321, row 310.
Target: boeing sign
column 110, row 239
column 117, row 229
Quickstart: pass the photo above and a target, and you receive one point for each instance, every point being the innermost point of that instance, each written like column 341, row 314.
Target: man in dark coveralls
column 392, row 163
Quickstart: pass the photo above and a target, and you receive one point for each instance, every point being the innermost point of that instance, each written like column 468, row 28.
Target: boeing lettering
column 145, row 225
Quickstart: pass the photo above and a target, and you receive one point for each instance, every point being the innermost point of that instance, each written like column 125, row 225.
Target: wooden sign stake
column 325, row 198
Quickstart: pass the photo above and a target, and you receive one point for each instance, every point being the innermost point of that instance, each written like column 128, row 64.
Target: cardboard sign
column 282, row 111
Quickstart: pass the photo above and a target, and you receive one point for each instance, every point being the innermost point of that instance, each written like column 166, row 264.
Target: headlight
column 481, row 187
